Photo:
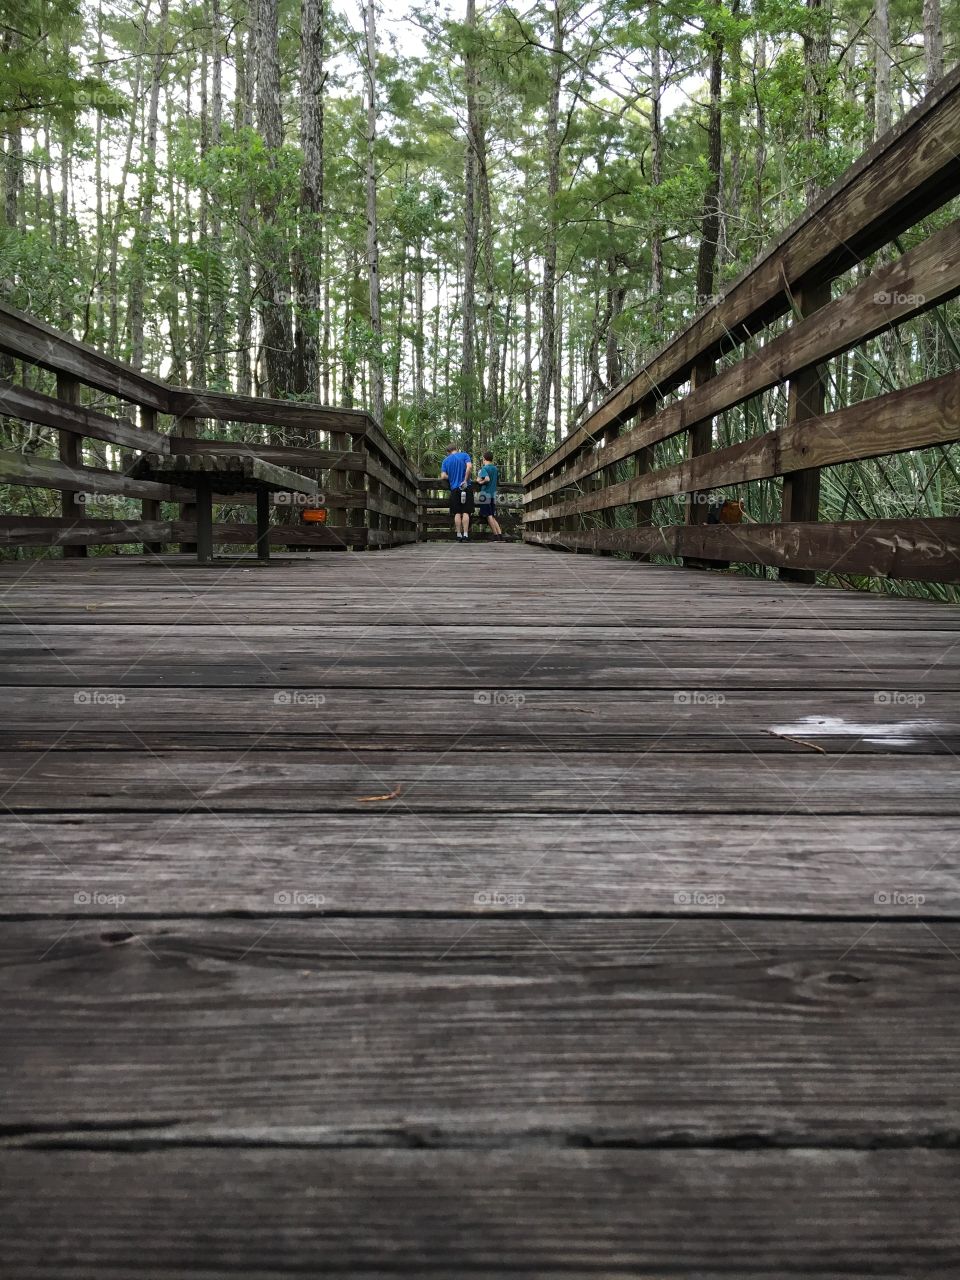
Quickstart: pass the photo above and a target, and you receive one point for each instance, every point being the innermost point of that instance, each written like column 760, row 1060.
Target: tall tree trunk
column 816, row 56
column 760, row 162
column 97, row 280
column 419, row 395
column 13, row 155
column 734, row 198
column 883, row 113
column 310, row 246
column 491, row 318
column 558, row 372
column 656, row 160
column 274, row 291
column 397, row 360
column 932, row 42
column 200, row 328
column 178, row 363
column 141, row 239
column 527, row 351
column 243, row 116
column 548, row 347
column 120, row 208
column 616, row 294
column 469, row 306
column 373, row 245
column 218, row 316
column 327, row 321
column 710, row 219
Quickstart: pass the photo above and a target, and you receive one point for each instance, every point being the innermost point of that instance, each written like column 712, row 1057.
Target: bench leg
column 263, row 525
column 204, row 523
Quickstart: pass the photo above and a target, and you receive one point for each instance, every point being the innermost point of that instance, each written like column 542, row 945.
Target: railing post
column 150, row 507
column 188, row 510
column 356, row 487
column 337, row 482
column 642, row 464
column 805, row 399
column 70, row 448
column 608, row 476
column 574, row 523
column 699, row 441
column 374, row 521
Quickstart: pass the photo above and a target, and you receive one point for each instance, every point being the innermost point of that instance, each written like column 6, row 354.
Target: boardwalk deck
column 476, row 911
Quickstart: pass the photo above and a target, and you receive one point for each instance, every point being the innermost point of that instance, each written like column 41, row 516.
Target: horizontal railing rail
column 369, row 490
column 596, row 490
column 435, row 523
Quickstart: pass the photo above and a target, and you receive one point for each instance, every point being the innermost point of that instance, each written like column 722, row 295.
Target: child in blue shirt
column 488, row 475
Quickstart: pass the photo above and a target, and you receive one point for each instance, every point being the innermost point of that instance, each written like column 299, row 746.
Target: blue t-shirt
column 489, row 474
column 455, row 465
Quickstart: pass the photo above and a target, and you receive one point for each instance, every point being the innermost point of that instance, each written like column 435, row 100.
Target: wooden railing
column 435, row 524
column 605, row 474
column 369, row 490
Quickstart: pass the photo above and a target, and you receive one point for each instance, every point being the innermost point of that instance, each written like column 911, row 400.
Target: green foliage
column 41, row 79
column 75, row 88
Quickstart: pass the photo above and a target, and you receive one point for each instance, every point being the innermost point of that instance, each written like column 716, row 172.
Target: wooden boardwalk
column 476, row 911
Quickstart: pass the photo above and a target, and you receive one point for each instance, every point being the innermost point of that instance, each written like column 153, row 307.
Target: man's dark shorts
column 488, row 507
column 459, row 507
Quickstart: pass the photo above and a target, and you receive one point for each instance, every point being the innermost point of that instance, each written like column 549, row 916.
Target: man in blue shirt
column 488, row 476
column 456, row 471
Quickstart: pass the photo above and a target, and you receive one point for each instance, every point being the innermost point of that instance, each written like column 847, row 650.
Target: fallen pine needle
column 398, row 790
column 801, row 742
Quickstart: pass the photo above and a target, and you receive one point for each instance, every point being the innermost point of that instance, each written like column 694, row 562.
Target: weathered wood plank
column 232, row 470
column 622, row 1031
column 615, row 1215
column 365, row 863
column 356, row 718
column 38, row 343
column 51, row 473
column 332, row 781
column 31, row 406
column 42, row 531
column 223, row 406
column 890, row 667
column 280, row 455
column 922, row 550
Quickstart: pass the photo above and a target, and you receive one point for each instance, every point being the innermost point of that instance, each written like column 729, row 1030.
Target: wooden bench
column 210, row 473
